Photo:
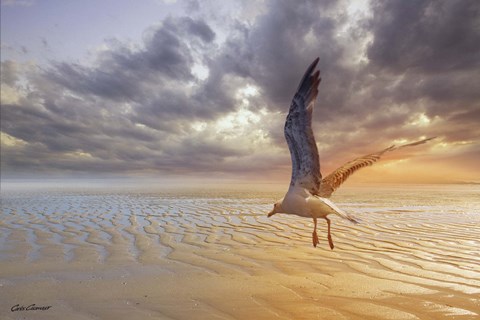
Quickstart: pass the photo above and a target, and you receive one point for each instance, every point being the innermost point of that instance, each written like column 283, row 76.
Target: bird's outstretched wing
column 333, row 181
column 299, row 134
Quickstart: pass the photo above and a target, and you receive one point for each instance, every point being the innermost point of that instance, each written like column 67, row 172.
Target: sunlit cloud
column 200, row 71
column 421, row 120
column 9, row 141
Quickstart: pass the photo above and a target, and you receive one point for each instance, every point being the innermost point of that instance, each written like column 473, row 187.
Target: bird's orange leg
column 330, row 241
column 314, row 234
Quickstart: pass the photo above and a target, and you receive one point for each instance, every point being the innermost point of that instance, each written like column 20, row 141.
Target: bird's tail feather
column 340, row 212
column 353, row 219
column 348, row 216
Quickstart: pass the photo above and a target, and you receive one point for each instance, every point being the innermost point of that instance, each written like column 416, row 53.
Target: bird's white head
column 277, row 208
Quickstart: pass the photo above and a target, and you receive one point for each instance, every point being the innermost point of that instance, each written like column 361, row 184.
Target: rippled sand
column 106, row 254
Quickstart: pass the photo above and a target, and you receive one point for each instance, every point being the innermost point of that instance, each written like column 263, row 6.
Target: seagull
column 308, row 194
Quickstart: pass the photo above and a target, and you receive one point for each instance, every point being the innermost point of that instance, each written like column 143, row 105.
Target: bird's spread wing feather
column 333, row 181
column 299, row 134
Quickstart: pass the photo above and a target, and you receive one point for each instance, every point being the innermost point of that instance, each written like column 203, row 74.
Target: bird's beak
column 271, row 213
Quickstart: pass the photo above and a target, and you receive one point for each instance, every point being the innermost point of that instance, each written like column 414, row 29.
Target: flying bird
column 308, row 193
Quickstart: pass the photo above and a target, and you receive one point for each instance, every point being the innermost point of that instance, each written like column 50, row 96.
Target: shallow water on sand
column 215, row 254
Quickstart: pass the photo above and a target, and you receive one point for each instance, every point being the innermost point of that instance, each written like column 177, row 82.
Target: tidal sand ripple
column 107, row 254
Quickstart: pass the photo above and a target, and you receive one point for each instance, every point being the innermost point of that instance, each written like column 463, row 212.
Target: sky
column 200, row 89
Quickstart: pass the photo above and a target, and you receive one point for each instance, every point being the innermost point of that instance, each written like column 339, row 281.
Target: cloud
column 285, row 39
column 200, row 29
column 9, row 72
column 124, row 74
column 144, row 108
column 130, row 111
column 426, row 54
column 427, row 36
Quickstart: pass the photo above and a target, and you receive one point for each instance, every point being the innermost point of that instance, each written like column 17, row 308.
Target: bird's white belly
column 306, row 205
column 321, row 207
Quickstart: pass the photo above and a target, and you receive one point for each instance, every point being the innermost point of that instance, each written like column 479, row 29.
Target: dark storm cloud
column 435, row 45
column 200, row 29
column 127, row 112
column 132, row 109
column 427, row 54
column 279, row 45
column 114, row 83
column 274, row 53
column 428, row 36
column 121, row 73
column 423, row 58
column 151, row 77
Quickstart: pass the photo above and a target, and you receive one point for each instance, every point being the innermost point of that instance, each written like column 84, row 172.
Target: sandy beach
column 143, row 254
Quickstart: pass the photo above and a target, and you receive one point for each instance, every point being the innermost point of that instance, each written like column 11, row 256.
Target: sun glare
column 247, row 91
column 357, row 7
column 236, row 121
column 421, row 120
column 200, row 71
